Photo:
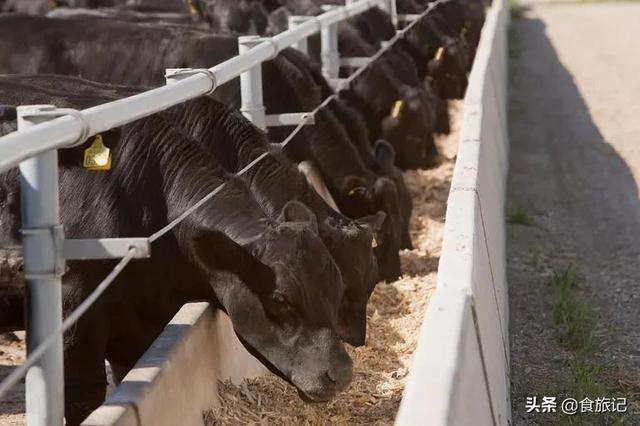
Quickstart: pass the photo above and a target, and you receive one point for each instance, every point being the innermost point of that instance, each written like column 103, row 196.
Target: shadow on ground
column 584, row 198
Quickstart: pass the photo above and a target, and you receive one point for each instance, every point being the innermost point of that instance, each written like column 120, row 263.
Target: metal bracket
column 290, row 119
column 337, row 84
column 173, row 75
column 295, row 20
column 408, row 17
column 105, row 248
column 252, row 99
column 41, row 244
column 50, row 112
column 355, row 61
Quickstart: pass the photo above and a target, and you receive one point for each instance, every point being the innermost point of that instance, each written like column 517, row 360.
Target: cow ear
column 8, row 113
column 384, row 153
column 373, row 222
column 295, row 211
column 213, row 250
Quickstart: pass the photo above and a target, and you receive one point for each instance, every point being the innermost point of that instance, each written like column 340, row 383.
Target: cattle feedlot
column 290, row 163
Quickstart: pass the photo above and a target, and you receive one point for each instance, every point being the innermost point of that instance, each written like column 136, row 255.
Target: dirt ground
column 12, row 353
column 394, row 317
column 574, row 168
column 395, row 314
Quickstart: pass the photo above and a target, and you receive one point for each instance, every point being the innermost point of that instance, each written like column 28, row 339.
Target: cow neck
column 332, row 150
column 234, row 141
column 155, row 157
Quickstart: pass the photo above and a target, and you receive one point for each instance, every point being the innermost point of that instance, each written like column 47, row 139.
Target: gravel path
column 575, row 164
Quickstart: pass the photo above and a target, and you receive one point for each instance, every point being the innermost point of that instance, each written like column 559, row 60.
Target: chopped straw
column 394, row 316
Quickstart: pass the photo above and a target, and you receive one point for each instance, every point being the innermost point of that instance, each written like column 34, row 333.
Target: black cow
column 439, row 52
column 275, row 180
column 109, row 51
column 31, row 7
column 448, row 69
column 379, row 158
column 240, row 17
column 123, row 14
column 378, row 92
column 220, row 16
column 374, row 26
column 274, row 278
column 467, row 16
column 275, row 184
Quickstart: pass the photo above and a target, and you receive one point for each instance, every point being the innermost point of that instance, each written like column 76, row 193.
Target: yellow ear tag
column 397, row 109
column 354, row 191
column 439, row 54
column 374, row 241
column 192, row 7
column 97, row 156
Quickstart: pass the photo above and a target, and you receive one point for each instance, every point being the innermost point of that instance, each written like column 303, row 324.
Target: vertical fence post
column 43, row 267
column 393, row 12
column 329, row 53
column 303, row 44
column 251, row 86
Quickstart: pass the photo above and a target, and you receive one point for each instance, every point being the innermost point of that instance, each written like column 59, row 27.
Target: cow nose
column 340, row 376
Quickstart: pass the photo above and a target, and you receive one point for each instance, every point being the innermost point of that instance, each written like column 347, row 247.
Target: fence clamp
column 51, row 112
column 355, row 62
column 408, row 17
column 290, row 119
column 338, row 84
column 173, row 75
column 36, row 242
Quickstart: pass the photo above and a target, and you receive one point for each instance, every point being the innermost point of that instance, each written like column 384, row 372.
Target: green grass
column 587, row 376
column 571, row 315
column 516, row 9
column 519, row 216
column 515, row 44
column 536, row 258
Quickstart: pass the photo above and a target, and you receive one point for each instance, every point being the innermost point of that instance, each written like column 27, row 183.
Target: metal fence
column 43, row 129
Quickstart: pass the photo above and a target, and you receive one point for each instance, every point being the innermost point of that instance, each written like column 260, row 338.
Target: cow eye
column 279, row 298
column 282, row 308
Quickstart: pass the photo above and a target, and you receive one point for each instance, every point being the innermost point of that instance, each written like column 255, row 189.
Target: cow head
column 408, row 127
column 284, row 310
column 359, row 198
column 352, row 245
column 239, row 16
column 447, row 70
column 385, row 156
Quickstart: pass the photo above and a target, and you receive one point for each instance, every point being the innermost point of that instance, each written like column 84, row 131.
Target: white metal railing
column 43, row 129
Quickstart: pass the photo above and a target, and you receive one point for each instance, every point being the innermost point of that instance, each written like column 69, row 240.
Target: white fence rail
column 460, row 371
column 67, row 130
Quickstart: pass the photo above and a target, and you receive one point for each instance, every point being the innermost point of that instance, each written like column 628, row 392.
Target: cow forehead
column 310, row 275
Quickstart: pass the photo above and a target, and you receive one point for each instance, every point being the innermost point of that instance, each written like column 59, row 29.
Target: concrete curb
column 460, row 371
column 168, row 385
